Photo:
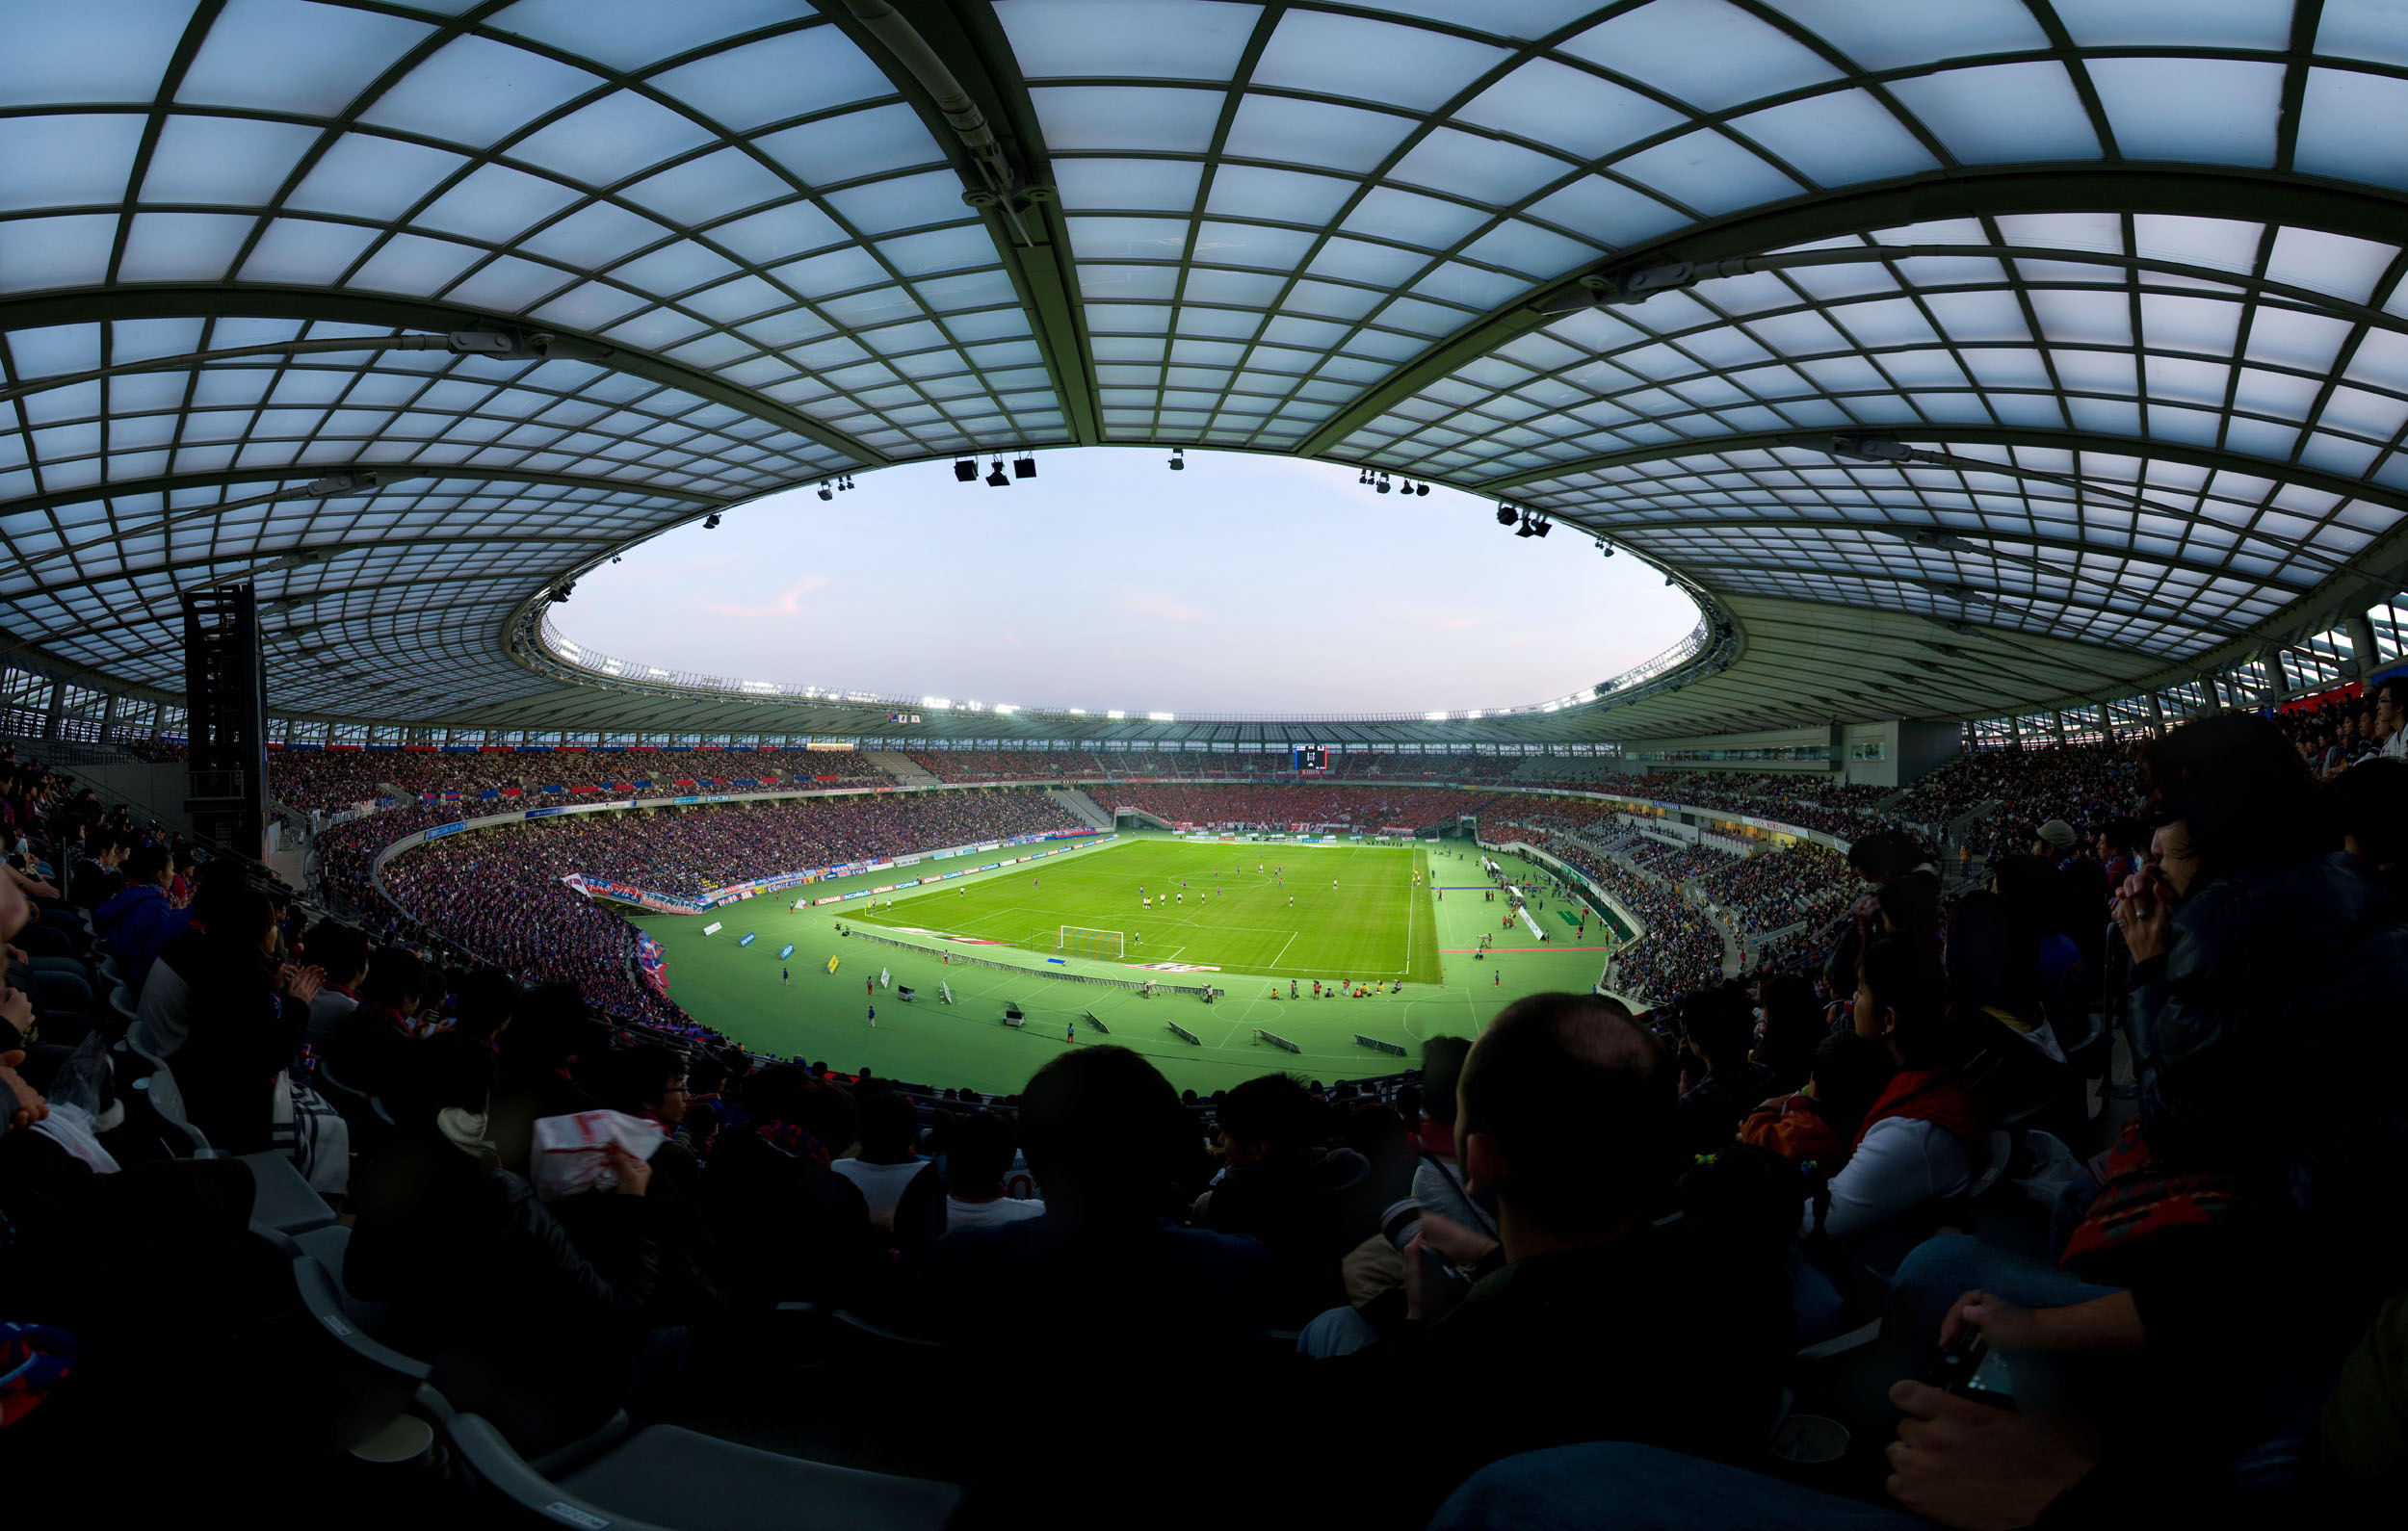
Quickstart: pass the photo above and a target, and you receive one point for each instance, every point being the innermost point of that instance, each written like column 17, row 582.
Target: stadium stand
column 577, row 1353
column 2015, row 387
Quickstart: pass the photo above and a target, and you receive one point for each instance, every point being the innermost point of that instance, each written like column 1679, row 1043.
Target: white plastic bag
column 70, row 1128
column 568, row 1153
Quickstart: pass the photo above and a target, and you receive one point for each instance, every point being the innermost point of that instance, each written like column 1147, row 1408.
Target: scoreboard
column 1310, row 757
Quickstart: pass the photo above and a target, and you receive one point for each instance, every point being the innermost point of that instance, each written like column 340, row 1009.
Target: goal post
column 1085, row 941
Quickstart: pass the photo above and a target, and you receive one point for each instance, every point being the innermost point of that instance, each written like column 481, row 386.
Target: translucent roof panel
column 1269, row 219
column 2113, row 548
column 674, row 256
column 739, row 190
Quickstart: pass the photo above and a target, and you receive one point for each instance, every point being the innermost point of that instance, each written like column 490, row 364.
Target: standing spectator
column 1307, row 1204
column 249, row 1018
column 1716, row 1027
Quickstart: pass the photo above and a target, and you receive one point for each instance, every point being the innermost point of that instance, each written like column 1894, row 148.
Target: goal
column 1081, row 941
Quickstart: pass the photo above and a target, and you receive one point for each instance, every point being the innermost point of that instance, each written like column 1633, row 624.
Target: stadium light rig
column 1177, row 459
column 1024, row 467
column 995, row 478
column 711, row 522
column 966, row 470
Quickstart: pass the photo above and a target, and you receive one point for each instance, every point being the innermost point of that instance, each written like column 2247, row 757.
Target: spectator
column 1307, row 1204
column 1820, row 1124
column 1792, row 1027
column 1917, row 1145
column 2371, row 802
column 887, row 1160
column 1726, row 1083
column 1567, row 1111
column 978, row 1157
column 249, row 1019
column 788, row 1228
column 138, row 919
column 1103, row 1309
column 535, row 1331
column 374, row 1050
column 342, row 950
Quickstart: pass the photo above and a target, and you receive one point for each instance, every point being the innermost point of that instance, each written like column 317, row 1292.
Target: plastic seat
column 184, row 1140
column 667, row 1477
column 281, row 1199
column 122, row 1001
column 1997, row 1151
column 360, row 1382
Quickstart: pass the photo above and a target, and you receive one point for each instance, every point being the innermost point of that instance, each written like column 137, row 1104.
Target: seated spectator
column 978, row 1155
column 1917, row 1145
column 788, row 1228
column 136, row 920
column 539, row 1331
column 167, row 991
column 1308, row 1205
column 342, row 950
column 648, row 1081
column 375, row 1048
column 93, row 877
column 1792, row 1028
column 1103, row 1309
column 250, row 1017
column 1567, row 1111
column 2370, row 800
column 1819, row 1124
column 887, row 1160
column 1726, row 1083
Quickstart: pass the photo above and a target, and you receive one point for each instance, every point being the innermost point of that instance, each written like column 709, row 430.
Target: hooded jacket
column 1916, row 1148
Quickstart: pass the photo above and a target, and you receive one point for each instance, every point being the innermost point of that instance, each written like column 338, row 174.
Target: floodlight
column 711, row 522
column 1507, row 516
column 1364, row 476
column 965, row 469
column 1542, row 529
column 1872, row 448
column 1421, row 488
column 1024, row 467
column 1524, row 530
column 1177, row 459
column 826, row 493
column 995, row 478
column 1381, row 488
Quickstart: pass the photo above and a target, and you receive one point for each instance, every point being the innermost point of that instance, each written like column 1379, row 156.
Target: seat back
column 137, row 1034
column 1997, row 1151
column 360, row 1383
column 167, row 1101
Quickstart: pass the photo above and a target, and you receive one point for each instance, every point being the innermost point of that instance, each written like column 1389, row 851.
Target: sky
column 1243, row 583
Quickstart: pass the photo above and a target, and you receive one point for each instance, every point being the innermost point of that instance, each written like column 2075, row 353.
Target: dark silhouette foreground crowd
column 1563, row 1275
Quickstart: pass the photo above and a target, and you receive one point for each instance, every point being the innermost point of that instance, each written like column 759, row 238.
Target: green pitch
column 1239, row 907
column 1373, row 925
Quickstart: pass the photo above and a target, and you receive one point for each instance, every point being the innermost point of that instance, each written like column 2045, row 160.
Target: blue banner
column 441, row 830
column 785, row 951
column 747, row 939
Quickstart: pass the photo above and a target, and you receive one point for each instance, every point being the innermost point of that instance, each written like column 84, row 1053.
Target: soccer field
column 1280, row 910
column 993, row 944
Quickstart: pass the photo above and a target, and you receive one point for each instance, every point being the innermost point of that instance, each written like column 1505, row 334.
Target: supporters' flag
column 489, row 792
column 577, row 788
column 512, row 792
column 551, row 788
column 450, row 798
column 681, row 784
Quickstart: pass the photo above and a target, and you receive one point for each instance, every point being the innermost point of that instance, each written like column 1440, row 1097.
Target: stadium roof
column 1964, row 357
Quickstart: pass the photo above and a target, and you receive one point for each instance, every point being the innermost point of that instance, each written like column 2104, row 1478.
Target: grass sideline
column 738, row 990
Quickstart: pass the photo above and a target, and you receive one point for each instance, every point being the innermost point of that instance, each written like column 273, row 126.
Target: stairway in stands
column 1080, row 807
column 900, row 767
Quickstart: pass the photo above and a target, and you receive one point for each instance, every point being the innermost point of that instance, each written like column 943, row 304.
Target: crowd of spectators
column 1305, row 803
column 331, row 779
column 1590, row 1244
column 497, row 892
column 1050, row 765
column 1779, row 888
column 1678, row 864
column 2080, row 783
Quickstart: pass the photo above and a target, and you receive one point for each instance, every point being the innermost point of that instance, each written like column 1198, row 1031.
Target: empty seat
column 281, row 1199
column 670, row 1477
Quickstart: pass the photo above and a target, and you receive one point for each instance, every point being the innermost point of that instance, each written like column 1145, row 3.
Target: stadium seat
column 665, row 1476
column 363, row 1382
column 1997, row 1153
column 282, row 1201
column 122, row 1001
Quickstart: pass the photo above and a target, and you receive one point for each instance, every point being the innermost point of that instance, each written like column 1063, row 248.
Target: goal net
column 1081, row 941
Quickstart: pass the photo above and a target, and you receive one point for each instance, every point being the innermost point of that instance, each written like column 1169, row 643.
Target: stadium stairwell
column 1080, row 806
column 900, row 766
